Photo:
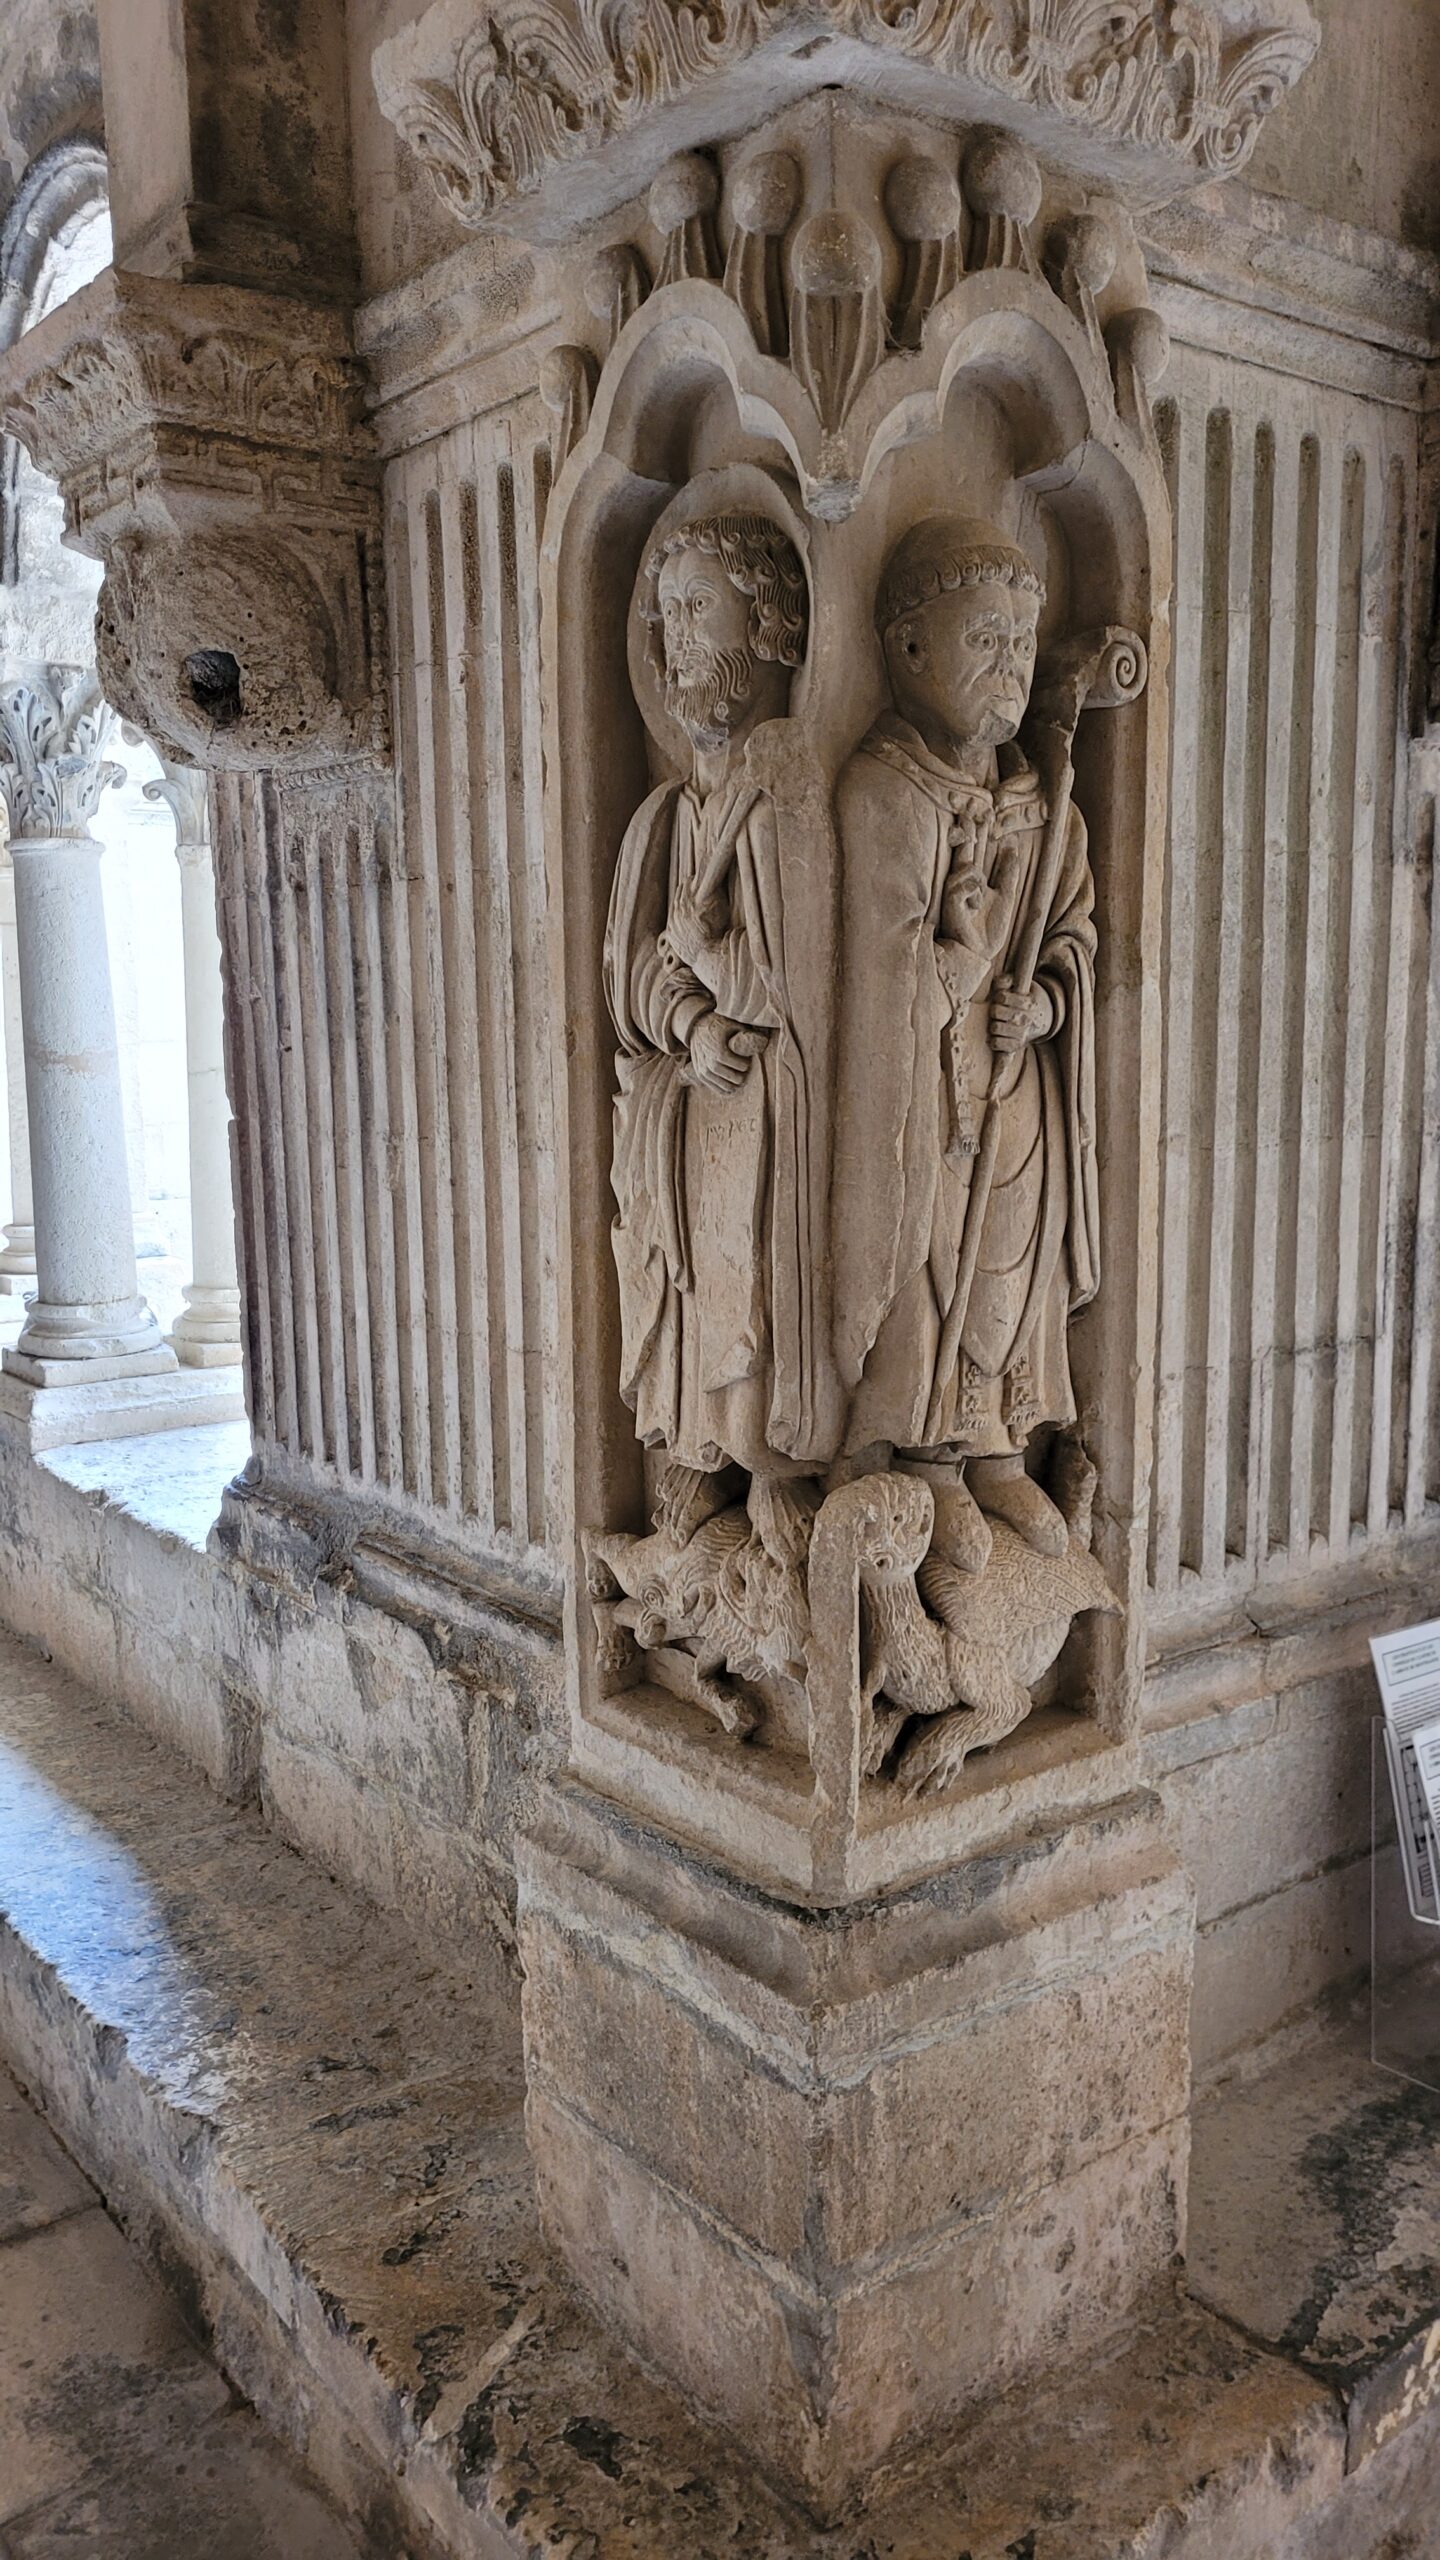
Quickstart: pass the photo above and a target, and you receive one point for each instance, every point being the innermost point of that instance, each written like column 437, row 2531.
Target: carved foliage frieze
column 532, row 84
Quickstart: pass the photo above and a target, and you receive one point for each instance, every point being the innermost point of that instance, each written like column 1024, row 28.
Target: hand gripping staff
column 1098, row 671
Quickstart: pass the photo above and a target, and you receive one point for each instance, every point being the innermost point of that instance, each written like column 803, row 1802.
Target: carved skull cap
column 942, row 553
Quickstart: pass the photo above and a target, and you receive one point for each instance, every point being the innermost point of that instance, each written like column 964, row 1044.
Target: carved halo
column 740, row 488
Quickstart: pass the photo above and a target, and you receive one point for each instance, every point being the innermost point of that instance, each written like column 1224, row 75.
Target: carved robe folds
column 915, row 1064
column 719, row 1233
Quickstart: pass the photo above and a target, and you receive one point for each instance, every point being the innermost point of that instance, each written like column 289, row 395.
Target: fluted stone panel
column 1294, row 1422
column 390, row 1070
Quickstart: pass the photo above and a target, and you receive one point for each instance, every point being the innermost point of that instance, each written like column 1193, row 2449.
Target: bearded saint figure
column 942, row 821
column 717, row 956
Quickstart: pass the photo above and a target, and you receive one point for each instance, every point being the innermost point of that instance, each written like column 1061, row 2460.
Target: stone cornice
column 1235, row 271
column 500, row 98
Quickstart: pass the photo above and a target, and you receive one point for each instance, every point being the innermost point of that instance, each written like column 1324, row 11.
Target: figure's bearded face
column 710, row 665
column 968, row 659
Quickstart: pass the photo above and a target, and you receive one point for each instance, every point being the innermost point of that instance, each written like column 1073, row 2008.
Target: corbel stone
column 211, row 451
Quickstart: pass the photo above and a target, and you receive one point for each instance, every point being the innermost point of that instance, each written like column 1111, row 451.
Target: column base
column 847, row 2175
column 17, row 1262
column 204, row 1355
column 63, row 1343
column 44, row 1372
column 206, row 1334
column 93, row 1406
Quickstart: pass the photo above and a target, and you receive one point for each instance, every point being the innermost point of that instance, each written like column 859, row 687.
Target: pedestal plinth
column 841, row 2174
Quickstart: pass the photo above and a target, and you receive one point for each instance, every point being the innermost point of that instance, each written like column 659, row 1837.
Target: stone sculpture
column 966, row 1211
column 716, row 983
column 963, row 1224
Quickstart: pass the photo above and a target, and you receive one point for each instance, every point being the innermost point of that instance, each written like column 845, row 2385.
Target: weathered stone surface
column 220, row 2493
column 114, row 2435
column 38, row 2183
column 352, row 2219
column 930, row 2203
column 1316, row 2225
column 63, row 2380
column 858, row 268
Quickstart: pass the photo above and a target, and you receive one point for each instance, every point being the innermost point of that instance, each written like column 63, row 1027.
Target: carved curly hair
column 758, row 558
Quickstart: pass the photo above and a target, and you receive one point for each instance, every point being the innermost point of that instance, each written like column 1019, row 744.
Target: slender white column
column 207, row 1335
column 88, row 1319
column 17, row 1261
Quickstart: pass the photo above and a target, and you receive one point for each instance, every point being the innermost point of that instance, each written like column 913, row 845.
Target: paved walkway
column 118, row 2441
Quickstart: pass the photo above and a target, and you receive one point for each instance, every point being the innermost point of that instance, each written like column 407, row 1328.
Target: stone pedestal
column 87, row 1320
column 207, row 1335
column 842, row 2174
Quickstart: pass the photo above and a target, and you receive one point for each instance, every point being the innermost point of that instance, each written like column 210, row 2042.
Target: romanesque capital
column 54, row 729
column 211, row 450
column 498, row 97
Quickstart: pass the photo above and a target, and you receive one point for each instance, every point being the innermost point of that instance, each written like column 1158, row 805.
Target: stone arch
column 61, row 199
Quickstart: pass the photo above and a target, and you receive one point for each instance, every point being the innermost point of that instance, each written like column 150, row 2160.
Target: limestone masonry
column 791, row 644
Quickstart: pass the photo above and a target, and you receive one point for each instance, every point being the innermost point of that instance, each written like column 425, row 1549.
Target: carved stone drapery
column 496, row 99
column 210, row 449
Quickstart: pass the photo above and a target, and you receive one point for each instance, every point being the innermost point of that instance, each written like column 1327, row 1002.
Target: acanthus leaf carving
column 534, row 84
column 54, row 728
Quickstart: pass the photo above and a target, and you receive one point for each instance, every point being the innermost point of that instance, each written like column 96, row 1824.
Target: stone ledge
column 319, row 2141
column 59, row 1416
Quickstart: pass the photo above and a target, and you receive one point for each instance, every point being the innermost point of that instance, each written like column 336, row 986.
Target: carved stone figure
column 716, row 968
column 966, row 1208
column 962, row 1651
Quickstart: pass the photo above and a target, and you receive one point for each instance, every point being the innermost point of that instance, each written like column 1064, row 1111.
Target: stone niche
column 866, row 325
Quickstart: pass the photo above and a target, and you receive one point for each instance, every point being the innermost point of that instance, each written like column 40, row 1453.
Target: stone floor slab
column 92, row 2354
column 38, row 2183
column 1315, row 2224
column 223, row 2494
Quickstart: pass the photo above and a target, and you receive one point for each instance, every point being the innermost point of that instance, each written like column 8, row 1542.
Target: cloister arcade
column 119, row 1304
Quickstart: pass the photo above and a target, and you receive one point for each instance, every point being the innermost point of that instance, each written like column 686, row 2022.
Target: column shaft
column 207, row 1335
column 17, row 1261
column 88, row 1319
